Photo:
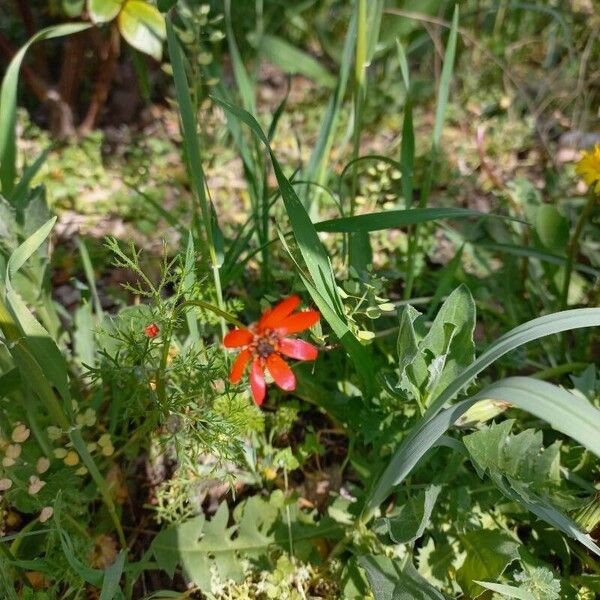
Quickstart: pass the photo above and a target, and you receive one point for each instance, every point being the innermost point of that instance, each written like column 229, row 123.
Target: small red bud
column 152, row 330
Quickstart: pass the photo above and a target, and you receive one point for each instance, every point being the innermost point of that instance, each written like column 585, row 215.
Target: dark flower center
column 264, row 348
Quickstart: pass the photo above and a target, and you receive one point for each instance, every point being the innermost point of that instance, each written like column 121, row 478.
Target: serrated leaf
column 489, row 552
column 406, row 346
column 396, row 580
column 408, row 522
column 519, row 457
column 199, row 545
column 143, row 26
column 450, row 337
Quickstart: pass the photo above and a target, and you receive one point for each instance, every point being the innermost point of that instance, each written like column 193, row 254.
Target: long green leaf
column 567, row 320
column 390, row 219
column 40, row 343
column 445, row 80
column 565, row 412
column 508, row 591
column 317, row 164
column 8, row 102
column 243, row 81
column 541, row 255
column 112, row 576
column 292, row 60
column 190, row 136
column 312, row 250
column 421, row 438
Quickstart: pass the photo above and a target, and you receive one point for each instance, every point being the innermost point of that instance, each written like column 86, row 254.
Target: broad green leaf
column 489, row 552
column 392, row 219
column 143, row 26
column 436, row 562
column 408, row 522
column 199, row 545
column 102, row 11
column 450, row 340
column 552, row 228
column 407, row 343
column 8, row 102
column 390, row 580
column 294, row 61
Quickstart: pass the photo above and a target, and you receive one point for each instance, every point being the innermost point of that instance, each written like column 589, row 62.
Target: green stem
column 574, row 248
column 552, row 372
column 413, row 242
column 214, row 309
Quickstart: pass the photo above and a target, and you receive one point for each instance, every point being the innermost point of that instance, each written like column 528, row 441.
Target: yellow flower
column 588, row 166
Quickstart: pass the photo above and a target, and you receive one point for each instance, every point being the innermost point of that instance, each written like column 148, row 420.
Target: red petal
column 237, row 337
column 272, row 317
column 298, row 349
column 239, row 366
column 257, row 382
column 281, row 372
column 299, row 322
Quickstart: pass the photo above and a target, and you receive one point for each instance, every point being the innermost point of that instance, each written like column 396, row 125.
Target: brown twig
column 106, row 73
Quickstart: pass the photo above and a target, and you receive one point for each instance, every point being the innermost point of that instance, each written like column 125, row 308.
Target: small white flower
column 35, row 485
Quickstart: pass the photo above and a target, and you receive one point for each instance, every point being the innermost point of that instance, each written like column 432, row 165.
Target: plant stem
column 552, row 372
column 574, row 248
column 214, row 309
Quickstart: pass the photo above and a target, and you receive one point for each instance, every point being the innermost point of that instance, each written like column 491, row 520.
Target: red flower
column 151, row 330
column 266, row 341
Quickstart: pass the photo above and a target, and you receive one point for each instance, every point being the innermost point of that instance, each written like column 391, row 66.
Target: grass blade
column 567, row 320
column 390, row 219
column 324, row 286
column 8, row 102
column 445, row 80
